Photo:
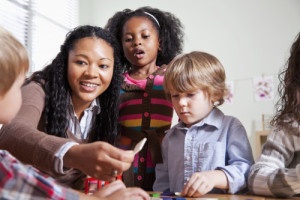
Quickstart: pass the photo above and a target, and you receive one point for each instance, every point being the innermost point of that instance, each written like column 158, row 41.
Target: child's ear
column 214, row 101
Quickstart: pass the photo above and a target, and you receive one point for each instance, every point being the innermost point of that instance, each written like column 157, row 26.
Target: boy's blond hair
column 196, row 70
column 13, row 60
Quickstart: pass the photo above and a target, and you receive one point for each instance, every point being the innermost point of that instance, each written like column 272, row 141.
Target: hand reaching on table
column 201, row 183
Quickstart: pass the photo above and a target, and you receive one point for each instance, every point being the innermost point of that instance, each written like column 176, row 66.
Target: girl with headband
column 150, row 39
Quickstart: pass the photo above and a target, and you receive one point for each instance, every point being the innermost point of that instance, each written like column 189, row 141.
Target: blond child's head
column 14, row 64
column 195, row 84
column 197, row 70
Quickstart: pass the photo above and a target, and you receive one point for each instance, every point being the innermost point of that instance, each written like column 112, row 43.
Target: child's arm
column 277, row 171
column 18, row 181
column 201, row 183
column 117, row 191
column 25, row 181
column 239, row 158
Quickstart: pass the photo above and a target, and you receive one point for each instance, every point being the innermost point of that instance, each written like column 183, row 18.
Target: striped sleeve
column 275, row 172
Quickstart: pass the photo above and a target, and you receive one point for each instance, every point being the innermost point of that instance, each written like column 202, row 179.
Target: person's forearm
column 68, row 159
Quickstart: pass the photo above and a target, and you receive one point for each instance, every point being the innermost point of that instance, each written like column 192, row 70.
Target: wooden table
column 229, row 197
column 243, row 197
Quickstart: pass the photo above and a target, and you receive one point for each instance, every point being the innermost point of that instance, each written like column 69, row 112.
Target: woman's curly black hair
column 170, row 31
column 54, row 80
column 288, row 105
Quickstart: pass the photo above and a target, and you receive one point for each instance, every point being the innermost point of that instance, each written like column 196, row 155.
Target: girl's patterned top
column 144, row 111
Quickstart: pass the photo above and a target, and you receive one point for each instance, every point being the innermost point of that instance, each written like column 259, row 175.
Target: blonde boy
column 207, row 151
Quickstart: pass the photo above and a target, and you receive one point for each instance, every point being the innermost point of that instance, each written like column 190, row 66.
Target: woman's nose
column 91, row 70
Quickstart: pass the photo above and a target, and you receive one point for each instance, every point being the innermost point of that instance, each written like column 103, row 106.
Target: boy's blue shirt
column 218, row 142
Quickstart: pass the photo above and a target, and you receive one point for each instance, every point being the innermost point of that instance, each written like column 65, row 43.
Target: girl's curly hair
column 288, row 106
column 54, row 81
column 169, row 28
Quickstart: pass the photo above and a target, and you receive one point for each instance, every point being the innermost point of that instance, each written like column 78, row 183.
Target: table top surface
column 219, row 197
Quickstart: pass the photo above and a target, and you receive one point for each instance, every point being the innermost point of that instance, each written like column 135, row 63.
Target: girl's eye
column 146, row 36
column 128, row 39
column 174, row 96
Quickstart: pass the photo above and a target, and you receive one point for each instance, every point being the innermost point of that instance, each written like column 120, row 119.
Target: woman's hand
column 99, row 160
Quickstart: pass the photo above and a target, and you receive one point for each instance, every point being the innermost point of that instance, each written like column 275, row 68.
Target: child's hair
column 168, row 26
column 196, row 70
column 54, row 80
column 13, row 60
column 288, row 104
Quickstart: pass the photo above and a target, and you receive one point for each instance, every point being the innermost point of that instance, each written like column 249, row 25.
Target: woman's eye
column 80, row 62
column 174, row 95
column 146, row 36
column 103, row 66
column 190, row 94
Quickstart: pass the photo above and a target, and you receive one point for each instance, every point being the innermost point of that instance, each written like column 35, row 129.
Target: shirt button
column 151, row 76
column 142, row 159
column 145, row 94
column 139, row 178
column 146, row 114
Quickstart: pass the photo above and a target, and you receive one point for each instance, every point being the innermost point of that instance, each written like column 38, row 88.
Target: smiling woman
column 90, row 70
column 60, row 108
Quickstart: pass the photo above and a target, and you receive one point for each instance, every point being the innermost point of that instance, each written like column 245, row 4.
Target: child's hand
column 117, row 191
column 199, row 184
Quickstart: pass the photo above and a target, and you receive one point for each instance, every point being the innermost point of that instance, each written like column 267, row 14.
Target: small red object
column 88, row 181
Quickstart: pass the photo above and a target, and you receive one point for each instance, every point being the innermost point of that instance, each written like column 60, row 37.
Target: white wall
column 250, row 38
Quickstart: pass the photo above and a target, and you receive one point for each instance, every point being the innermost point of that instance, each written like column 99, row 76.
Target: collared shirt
column 218, row 142
column 277, row 171
column 80, row 129
column 18, row 181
